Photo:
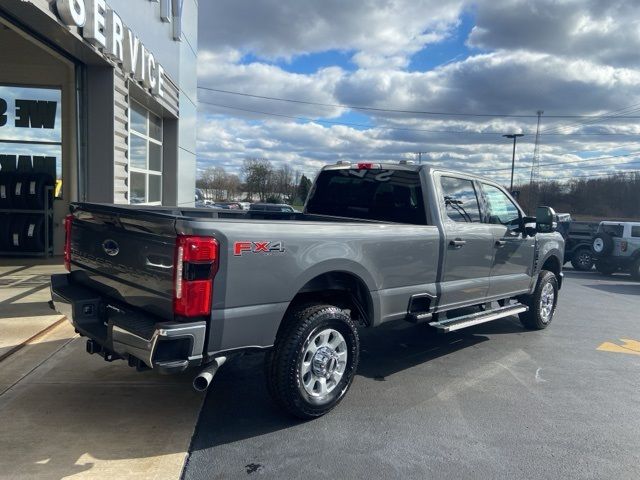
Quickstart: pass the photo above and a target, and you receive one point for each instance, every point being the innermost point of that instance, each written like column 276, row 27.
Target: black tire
column 6, row 196
column 536, row 318
column 605, row 268
column 582, row 259
column 5, row 225
column 17, row 231
column 635, row 269
column 37, row 198
column 283, row 365
column 19, row 191
column 602, row 244
column 34, row 233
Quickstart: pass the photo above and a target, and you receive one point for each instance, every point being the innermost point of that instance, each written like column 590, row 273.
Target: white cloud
column 559, row 56
column 378, row 29
column 603, row 31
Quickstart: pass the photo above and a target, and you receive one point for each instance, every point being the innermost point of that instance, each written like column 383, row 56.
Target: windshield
column 384, row 195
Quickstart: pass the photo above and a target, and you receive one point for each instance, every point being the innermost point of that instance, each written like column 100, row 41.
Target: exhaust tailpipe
column 203, row 379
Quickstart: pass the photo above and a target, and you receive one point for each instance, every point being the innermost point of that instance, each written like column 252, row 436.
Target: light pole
column 513, row 156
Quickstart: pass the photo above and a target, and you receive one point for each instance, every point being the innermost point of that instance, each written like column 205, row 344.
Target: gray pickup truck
column 170, row 288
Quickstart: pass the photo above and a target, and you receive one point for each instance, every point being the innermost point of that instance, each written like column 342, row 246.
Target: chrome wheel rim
column 547, row 300
column 323, row 362
column 598, row 245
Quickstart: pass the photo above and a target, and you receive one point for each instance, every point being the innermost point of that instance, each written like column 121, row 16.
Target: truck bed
column 139, row 211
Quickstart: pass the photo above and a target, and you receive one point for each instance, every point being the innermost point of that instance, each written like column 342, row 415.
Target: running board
column 478, row 318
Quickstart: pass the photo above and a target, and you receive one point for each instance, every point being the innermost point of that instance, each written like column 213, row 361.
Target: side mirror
column 546, row 220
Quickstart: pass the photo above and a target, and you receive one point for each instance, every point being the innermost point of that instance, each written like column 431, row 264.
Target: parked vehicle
column 616, row 248
column 171, row 289
column 578, row 237
column 272, row 207
column 231, row 205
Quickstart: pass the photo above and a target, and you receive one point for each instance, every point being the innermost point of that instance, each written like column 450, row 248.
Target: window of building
column 460, row 199
column 145, row 156
column 500, row 208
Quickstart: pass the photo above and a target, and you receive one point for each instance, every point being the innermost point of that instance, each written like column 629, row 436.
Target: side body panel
column 253, row 289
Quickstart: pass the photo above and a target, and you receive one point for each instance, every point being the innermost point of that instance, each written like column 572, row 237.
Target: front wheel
column 542, row 302
column 313, row 361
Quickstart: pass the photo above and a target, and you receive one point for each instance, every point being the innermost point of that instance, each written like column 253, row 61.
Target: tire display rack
column 47, row 213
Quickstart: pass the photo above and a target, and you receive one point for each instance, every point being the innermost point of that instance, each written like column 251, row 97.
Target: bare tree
column 257, row 173
column 616, row 196
column 233, row 186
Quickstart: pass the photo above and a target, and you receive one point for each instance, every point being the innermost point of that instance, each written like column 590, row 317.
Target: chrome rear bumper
column 118, row 331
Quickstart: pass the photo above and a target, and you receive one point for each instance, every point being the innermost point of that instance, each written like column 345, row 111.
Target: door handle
column 457, row 243
column 500, row 243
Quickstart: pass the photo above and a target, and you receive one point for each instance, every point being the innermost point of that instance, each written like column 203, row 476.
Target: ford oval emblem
column 110, row 247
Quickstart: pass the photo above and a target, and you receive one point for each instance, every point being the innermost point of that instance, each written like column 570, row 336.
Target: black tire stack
column 23, row 191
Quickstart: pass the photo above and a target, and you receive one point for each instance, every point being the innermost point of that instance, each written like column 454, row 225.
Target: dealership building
column 98, row 98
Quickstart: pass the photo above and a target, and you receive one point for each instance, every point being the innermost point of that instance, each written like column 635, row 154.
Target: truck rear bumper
column 117, row 331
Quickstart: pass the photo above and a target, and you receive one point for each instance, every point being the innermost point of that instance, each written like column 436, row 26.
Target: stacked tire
column 21, row 194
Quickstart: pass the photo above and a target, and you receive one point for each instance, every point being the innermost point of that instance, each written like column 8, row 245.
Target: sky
column 380, row 80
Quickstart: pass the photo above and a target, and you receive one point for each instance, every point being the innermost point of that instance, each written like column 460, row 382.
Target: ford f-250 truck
column 174, row 288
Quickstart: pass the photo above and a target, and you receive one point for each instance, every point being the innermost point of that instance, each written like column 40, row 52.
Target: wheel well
column 341, row 289
column 552, row 264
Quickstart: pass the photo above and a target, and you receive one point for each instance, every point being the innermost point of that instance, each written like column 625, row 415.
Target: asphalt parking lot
column 493, row 401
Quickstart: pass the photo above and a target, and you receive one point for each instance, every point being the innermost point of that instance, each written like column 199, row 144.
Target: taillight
column 623, row 245
column 68, row 222
column 365, row 166
column 196, row 263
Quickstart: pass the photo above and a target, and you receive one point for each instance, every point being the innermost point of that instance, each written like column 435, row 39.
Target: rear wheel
column 582, row 260
column 314, row 360
column 635, row 269
column 542, row 303
column 604, row 267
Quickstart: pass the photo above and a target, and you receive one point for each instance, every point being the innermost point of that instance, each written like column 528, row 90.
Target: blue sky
column 480, row 57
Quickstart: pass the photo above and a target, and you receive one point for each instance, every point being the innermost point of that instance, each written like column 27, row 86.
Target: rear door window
column 635, row 231
column 460, row 199
column 374, row 194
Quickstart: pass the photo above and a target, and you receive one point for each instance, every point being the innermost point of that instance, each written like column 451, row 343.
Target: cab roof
column 403, row 166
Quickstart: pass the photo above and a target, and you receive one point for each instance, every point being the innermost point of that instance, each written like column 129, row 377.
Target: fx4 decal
column 267, row 248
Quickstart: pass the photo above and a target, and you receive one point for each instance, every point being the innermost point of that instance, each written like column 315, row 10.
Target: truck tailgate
column 125, row 255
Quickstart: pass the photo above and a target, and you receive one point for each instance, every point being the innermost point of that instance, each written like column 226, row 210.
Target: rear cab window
column 635, row 231
column 370, row 194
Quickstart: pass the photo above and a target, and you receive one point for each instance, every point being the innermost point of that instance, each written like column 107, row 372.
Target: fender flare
column 339, row 265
